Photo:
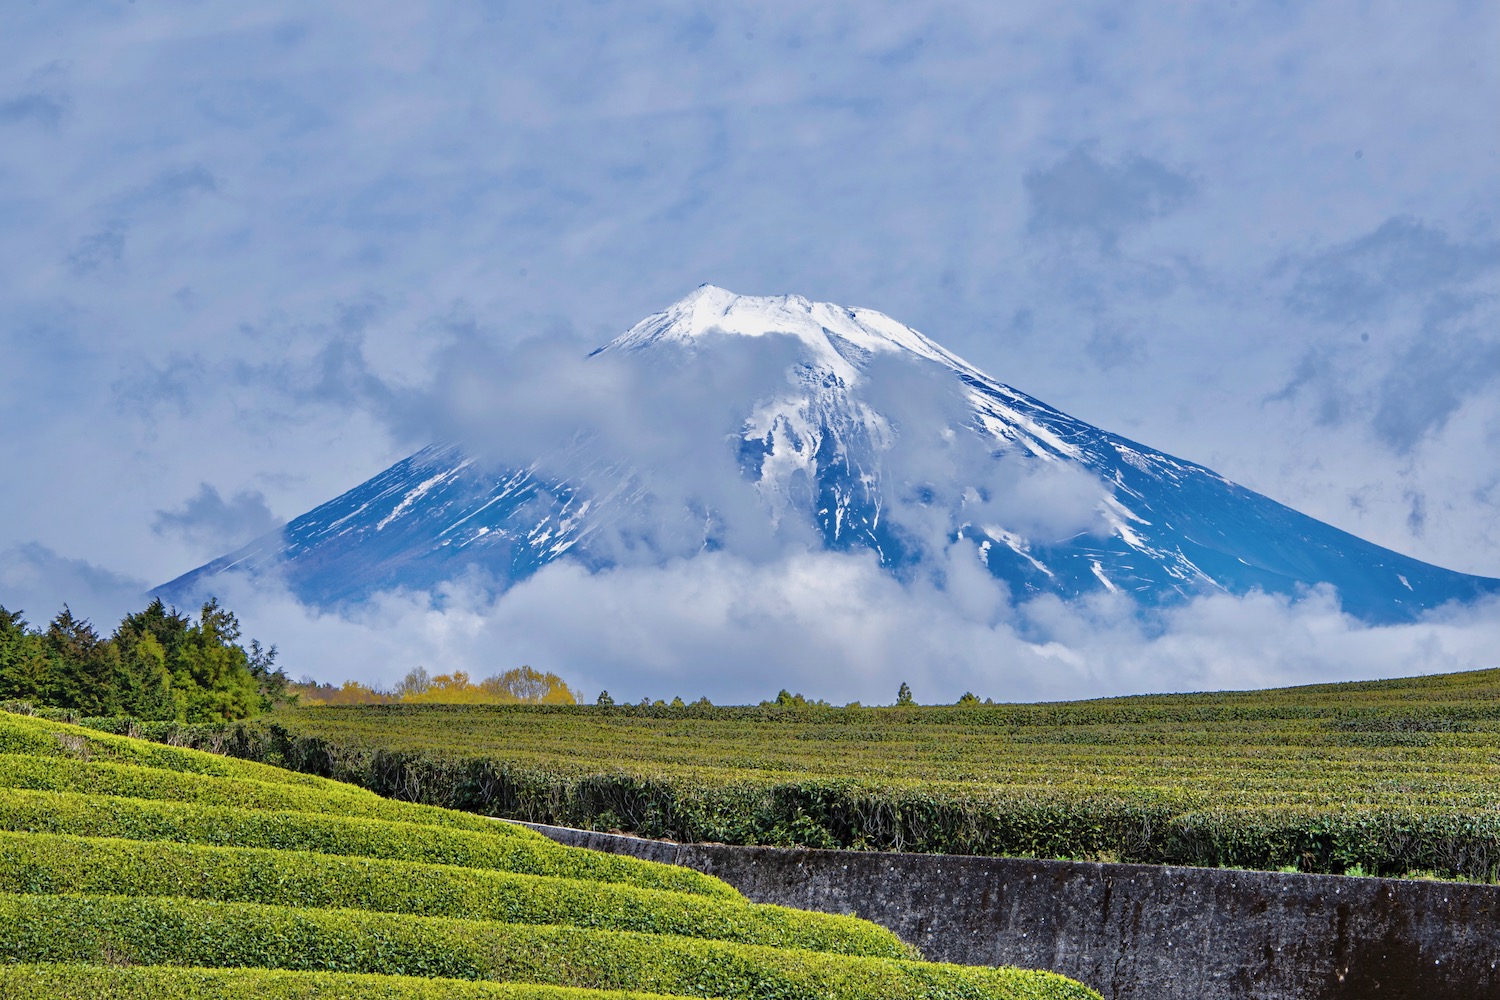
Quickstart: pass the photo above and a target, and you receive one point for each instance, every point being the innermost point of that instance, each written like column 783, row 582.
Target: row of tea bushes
column 130, row 870
column 1386, row 777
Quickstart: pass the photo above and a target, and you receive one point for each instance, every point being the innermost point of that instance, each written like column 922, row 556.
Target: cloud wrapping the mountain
column 836, row 626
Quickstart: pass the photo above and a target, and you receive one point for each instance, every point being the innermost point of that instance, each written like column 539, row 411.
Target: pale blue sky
column 1262, row 236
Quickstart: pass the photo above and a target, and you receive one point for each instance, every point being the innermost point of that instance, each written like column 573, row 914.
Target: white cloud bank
column 836, row 626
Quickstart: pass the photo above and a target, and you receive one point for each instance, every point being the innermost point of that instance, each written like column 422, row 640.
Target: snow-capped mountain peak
column 836, row 338
column 847, row 456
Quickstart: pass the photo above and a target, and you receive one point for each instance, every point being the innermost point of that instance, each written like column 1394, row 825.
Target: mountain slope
column 876, row 439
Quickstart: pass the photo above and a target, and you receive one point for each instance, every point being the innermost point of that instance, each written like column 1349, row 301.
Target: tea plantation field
column 130, row 869
column 1389, row 777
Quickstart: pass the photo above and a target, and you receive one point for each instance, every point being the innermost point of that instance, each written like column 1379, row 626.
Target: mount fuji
column 865, row 437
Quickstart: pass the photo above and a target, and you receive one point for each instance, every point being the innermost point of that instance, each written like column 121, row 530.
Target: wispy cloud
column 39, row 581
column 1402, row 258
column 214, row 525
column 1080, row 194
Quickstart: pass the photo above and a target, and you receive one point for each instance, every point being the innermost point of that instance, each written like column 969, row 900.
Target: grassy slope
column 129, row 869
column 1390, row 776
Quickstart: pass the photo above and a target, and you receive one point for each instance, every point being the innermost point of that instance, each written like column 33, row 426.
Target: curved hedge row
column 155, row 931
column 33, row 736
column 1388, row 778
column 158, row 982
column 145, row 819
column 43, row 863
column 139, row 782
column 192, row 879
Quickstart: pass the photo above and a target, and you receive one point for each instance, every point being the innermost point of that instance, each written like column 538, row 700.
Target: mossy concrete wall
column 1137, row 932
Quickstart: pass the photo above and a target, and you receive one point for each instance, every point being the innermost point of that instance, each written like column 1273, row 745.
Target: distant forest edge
column 522, row 685
column 160, row 665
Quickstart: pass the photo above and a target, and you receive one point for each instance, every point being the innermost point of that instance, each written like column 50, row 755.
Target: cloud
column 1081, row 194
column 44, row 101
column 1431, row 379
column 213, row 525
column 670, row 442
column 168, row 191
column 38, row 580
column 103, row 248
column 837, row 626
column 940, row 475
column 172, row 187
column 1319, row 373
column 1427, row 308
column 1402, row 258
column 43, row 109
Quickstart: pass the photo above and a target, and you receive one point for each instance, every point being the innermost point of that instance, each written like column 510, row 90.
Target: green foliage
column 39, row 863
column 903, row 696
column 159, row 982
column 182, row 875
column 1393, row 776
column 522, row 685
column 158, row 931
column 784, row 699
column 105, row 778
column 503, row 848
column 158, row 665
column 35, row 736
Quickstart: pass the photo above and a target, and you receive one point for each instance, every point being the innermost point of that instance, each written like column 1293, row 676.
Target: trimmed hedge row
column 142, row 782
column 1265, row 780
column 147, row 820
column 155, row 931
column 34, row 736
column 1378, row 841
column 46, row 863
column 159, row 982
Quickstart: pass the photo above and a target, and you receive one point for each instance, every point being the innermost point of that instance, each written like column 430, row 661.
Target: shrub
column 142, row 819
column 42, row 863
column 155, row 931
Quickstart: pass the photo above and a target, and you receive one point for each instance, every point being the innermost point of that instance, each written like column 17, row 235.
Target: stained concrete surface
column 1136, row 932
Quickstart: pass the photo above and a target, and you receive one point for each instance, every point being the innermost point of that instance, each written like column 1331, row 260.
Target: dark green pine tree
column 85, row 668
column 150, row 643
column 25, row 670
column 214, row 670
column 270, row 680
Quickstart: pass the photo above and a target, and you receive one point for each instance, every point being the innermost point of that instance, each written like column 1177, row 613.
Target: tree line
column 522, row 685
column 157, row 665
column 785, row 699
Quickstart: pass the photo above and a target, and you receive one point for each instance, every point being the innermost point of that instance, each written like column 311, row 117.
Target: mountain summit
column 870, row 438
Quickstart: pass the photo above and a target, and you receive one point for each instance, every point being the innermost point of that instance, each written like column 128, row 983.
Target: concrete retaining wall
column 1136, row 932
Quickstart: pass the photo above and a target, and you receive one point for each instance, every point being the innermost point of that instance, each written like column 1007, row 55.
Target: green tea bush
column 43, row 737
column 129, row 870
column 147, row 820
column 1389, row 776
column 44, row 863
column 134, row 781
column 156, row 982
column 156, row 931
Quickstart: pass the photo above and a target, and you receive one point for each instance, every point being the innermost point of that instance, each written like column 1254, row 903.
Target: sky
column 1264, row 237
